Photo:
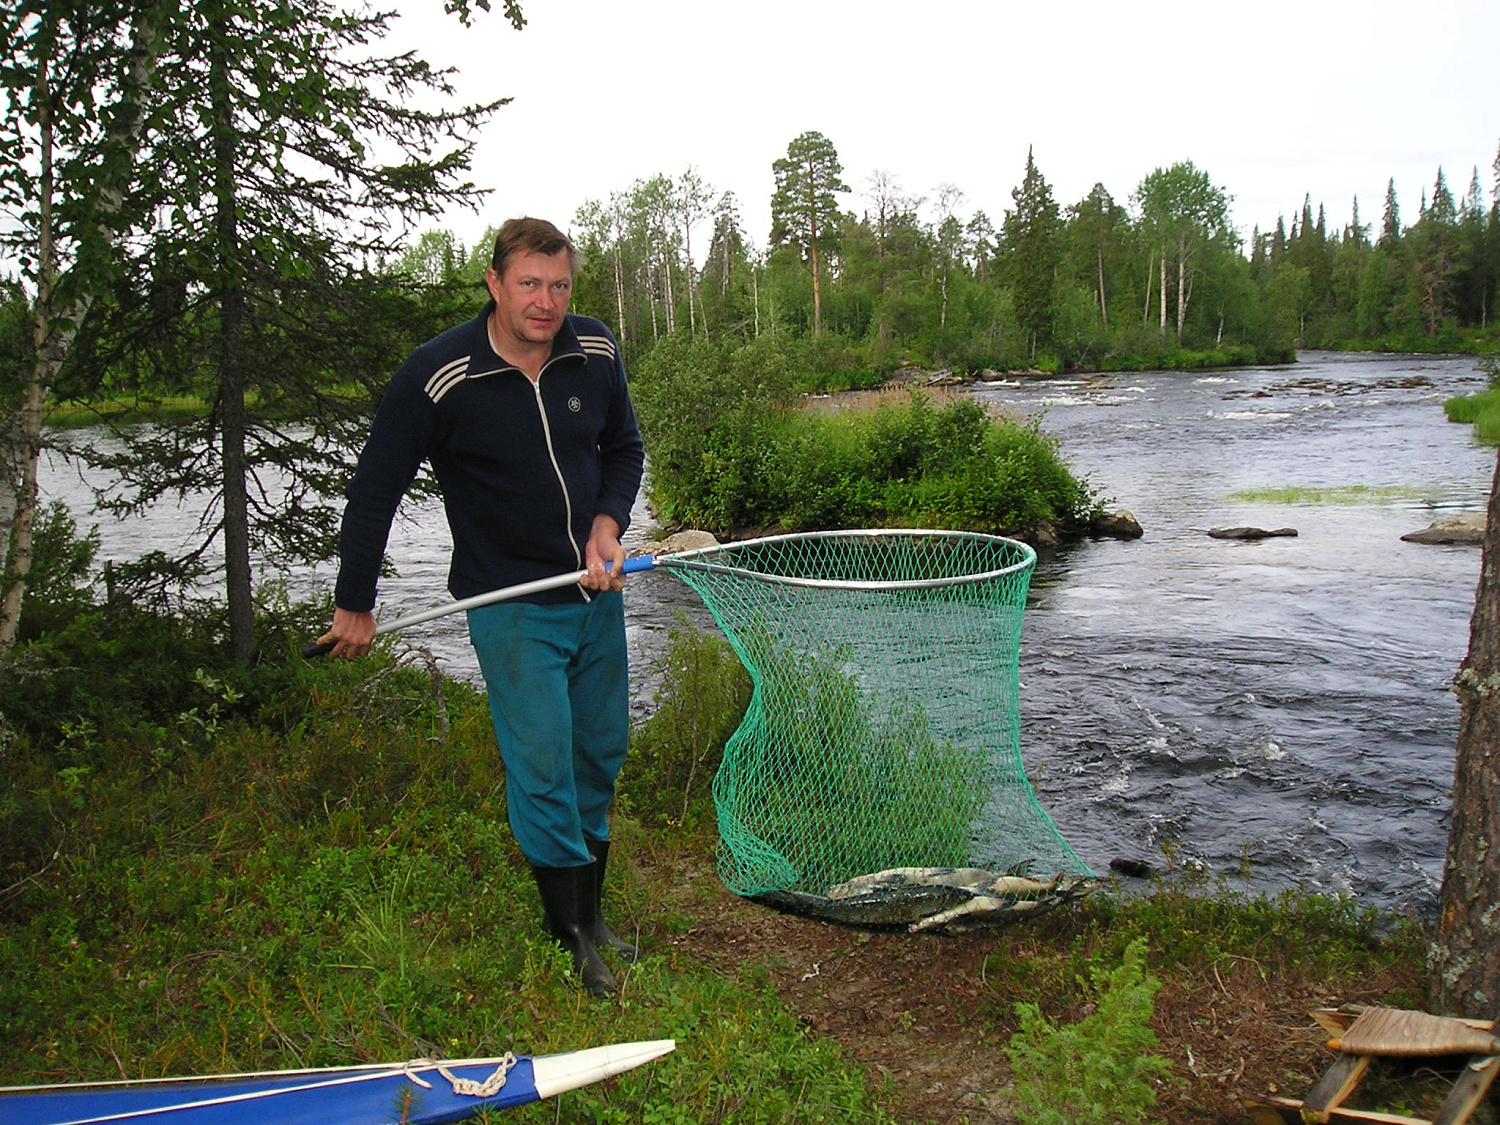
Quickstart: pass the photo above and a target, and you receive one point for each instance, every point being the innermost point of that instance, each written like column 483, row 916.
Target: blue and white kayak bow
column 422, row 1092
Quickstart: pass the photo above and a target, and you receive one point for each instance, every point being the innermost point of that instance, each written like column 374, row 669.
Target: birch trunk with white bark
column 55, row 323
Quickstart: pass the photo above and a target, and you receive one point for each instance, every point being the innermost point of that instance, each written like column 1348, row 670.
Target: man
column 524, row 416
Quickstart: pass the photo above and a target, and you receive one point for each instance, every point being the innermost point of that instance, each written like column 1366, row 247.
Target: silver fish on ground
column 895, row 908
column 980, row 898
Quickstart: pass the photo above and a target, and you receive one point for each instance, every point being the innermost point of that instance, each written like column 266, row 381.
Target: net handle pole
column 505, row 593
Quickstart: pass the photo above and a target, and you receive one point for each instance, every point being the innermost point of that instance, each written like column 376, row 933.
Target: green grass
column 1331, row 494
column 340, row 885
column 1481, row 410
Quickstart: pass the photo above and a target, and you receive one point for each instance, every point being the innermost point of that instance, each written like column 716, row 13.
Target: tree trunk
column 12, row 453
column 666, row 269
column 18, row 557
column 1164, row 294
column 755, row 296
column 1146, row 308
column 1464, row 976
column 50, row 341
column 817, row 290
column 231, row 363
column 655, row 330
column 1182, row 289
column 1103, row 306
column 619, row 294
column 687, row 248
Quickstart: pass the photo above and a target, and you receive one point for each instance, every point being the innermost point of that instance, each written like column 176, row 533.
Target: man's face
column 531, row 297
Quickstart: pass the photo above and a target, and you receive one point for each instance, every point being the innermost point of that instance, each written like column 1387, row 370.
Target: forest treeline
column 882, row 277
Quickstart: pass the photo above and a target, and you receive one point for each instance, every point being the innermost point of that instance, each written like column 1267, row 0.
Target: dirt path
column 933, row 1014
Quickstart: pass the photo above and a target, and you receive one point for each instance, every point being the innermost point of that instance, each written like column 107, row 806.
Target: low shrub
column 1481, row 410
column 1099, row 1070
column 676, row 751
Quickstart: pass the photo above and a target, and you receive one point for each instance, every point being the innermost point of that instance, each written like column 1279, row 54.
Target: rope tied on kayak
column 466, row 1087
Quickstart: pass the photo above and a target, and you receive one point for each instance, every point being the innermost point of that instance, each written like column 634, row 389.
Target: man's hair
column 530, row 236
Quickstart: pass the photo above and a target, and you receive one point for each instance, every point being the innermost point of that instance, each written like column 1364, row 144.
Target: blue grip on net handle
column 632, row 566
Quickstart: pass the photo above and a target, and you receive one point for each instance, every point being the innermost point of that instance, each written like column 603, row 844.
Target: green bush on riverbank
column 730, row 448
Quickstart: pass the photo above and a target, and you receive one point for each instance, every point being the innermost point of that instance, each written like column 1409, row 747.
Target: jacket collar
column 564, row 343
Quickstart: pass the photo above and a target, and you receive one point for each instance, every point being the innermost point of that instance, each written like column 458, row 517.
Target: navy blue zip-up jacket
column 524, row 467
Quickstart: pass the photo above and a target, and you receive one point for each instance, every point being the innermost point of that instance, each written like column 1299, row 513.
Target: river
column 1273, row 712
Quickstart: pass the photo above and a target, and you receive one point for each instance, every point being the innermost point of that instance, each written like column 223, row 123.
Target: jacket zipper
column 556, row 468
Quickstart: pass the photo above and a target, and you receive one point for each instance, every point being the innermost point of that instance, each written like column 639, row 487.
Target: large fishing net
column 876, row 779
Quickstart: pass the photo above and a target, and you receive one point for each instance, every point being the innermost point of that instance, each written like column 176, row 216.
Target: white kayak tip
column 556, row 1074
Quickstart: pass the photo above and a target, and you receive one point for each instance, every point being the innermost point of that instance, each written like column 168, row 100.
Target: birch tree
column 1183, row 211
column 948, row 236
column 693, row 198
column 76, row 79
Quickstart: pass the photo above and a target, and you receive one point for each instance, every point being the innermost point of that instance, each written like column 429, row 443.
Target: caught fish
column 930, row 899
column 1009, row 897
column 973, row 879
column 968, row 877
column 894, row 907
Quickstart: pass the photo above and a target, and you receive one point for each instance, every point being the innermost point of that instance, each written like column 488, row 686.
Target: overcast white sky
column 1274, row 99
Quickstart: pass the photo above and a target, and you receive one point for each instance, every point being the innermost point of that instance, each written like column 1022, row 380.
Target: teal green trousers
column 560, row 700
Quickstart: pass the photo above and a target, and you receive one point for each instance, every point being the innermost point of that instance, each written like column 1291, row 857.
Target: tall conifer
column 1031, row 236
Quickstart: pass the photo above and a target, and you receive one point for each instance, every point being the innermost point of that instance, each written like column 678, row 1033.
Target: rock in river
column 1249, row 532
column 1467, row 528
column 1118, row 524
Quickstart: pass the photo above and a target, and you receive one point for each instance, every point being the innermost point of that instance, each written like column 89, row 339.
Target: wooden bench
column 1361, row 1035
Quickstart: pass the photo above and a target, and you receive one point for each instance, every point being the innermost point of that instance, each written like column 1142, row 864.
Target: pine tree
column 1093, row 233
column 1390, row 224
column 804, row 212
column 1435, row 241
column 1471, row 282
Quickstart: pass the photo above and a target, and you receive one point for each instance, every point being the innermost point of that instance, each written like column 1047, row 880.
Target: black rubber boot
column 569, row 908
column 603, row 936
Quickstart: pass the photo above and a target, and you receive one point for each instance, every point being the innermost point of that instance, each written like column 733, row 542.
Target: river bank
column 310, row 865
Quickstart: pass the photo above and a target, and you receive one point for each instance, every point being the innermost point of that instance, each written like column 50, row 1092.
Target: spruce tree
column 1032, row 251
column 280, row 157
column 1390, row 223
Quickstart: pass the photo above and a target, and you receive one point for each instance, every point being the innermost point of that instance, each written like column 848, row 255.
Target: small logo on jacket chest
column 575, row 404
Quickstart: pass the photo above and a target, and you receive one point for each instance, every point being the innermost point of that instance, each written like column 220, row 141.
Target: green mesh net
column 876, row 778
